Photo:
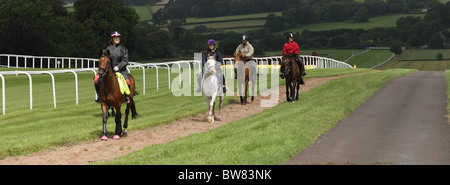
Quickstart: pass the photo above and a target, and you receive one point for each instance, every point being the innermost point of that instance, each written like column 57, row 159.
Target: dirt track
column 403, row 123
column 86, row 152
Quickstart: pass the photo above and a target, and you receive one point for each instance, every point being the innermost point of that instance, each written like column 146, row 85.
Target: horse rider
column 211, row 51
column 246, row 49
column 292, row 48
column 119, row 58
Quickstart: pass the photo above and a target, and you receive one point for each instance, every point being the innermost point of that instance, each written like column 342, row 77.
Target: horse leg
column 118, row 123
column 112, row 112
column 125, row 123
column 253, row 89
column 213, row 113
column 298, row 87
column 210, row 104
column 287, row 90
column 246, row 91
column 105, row 118
column 293, row 91
column 220, row 108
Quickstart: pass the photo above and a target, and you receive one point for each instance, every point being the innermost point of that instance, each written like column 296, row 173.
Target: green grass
column 144, row 12
column 231, row 24
column 192, row 20
column 424, row 60
column 273, row 136
column 24, row 131
column 337, row 54
column 370, row 58
column 424, row 54
column 380, row 21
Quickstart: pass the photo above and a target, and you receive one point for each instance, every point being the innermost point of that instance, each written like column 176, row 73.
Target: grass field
column 424, row 60
column 370, row 58
column 380, row 21
column 274, row 135
column 337, row 54
column 24, row 131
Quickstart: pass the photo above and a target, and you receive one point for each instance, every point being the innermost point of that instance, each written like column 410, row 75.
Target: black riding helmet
column 289, row 35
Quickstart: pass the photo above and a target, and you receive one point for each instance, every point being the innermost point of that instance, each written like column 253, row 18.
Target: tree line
column 46, row 28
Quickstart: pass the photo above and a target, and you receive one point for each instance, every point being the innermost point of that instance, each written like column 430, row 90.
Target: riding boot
column 224, row 85
column 301, row 65
column 97, row 99
column 281, row 73
column 235, row 73
column 126, row 98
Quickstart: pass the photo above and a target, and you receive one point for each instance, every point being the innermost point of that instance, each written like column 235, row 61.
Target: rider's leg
column 199, row 80
column 126, row 75
column 97, row 81
column 224, row 85
column 301, row 64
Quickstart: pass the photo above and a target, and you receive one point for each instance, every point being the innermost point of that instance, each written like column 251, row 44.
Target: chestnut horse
column 244, row 68
column 291, row 71
column 111, row 96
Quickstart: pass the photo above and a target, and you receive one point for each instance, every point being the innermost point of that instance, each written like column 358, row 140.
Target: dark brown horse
column 111, row 96
column 244, row 68
column 291, row 72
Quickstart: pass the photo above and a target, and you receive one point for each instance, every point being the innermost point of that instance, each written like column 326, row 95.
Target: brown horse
column 111, row 96
column 291, row 71
column 244, row 68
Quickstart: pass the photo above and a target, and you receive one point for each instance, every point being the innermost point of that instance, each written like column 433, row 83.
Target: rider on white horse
column 212, row 51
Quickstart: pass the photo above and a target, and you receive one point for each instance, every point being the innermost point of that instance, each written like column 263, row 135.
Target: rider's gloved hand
column 116, row 68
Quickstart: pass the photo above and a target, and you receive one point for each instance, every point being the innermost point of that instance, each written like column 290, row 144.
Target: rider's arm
column 124, row 60
column 219, row 57
column 251, row 51
column 285, row 49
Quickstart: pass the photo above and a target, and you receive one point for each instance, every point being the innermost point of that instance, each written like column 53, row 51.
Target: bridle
column 108, row 65
column 287, row 60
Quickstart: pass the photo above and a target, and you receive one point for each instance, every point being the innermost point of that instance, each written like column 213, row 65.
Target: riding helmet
column 289, row 35
column 244, row 37
column 211, row 42
column 115, row 34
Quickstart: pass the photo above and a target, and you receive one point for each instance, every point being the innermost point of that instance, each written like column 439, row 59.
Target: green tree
column 436, row 42
column 396, row 48
column 34, row 28
column 101, row 17
column 362, row 15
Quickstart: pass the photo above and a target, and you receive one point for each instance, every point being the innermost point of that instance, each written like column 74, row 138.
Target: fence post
column 3, row 94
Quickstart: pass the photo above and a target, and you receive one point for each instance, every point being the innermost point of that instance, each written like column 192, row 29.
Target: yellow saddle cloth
column 122, row 84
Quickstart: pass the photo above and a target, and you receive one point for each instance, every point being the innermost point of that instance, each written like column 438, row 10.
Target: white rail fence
column 86, row 65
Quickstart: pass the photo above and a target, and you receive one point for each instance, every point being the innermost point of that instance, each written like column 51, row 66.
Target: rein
column 103, row 75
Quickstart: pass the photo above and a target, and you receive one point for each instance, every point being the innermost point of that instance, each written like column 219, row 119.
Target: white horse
column 212, row 87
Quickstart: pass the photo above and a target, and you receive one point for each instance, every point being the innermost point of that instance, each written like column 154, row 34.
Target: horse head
column 238, row 57
column 104, row 63
column 286, row 64
column 210, row 64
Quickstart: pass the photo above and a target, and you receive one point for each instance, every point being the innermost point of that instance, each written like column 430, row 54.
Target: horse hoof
column 104, row 138
column 124, row 134
column 219, row 118
column 116, row 137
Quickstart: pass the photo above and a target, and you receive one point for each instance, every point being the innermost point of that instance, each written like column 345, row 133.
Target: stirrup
column 126, row 99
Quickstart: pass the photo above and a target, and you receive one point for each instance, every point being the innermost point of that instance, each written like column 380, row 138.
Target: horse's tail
column 134, row 113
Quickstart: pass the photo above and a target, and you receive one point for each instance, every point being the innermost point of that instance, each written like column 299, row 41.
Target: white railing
column 30, row 79
column 26, row 61
column 311, row 62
